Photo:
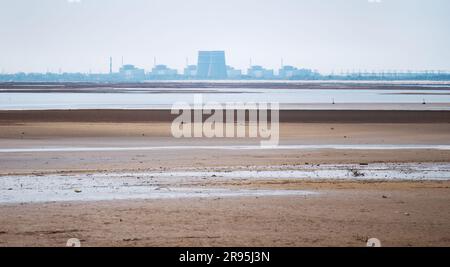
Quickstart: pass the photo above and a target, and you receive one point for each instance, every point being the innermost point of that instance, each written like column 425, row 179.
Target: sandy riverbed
column 334, row 212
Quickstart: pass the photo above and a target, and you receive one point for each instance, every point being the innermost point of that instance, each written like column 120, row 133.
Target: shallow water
column 164, row 98
column 376, row 171
column 98, row 190
column 194, row 184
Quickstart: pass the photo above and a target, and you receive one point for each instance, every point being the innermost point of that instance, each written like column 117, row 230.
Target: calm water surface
column 158, row 98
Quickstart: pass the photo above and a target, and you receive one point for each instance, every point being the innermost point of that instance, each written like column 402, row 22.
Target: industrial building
column 258, row 72
column 211, row 65
column 131, row 73
column 233, row 73
column 163, row 72
column 190, row 72
column 290, row 72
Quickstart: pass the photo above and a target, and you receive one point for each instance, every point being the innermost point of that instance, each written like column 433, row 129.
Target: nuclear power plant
column 212, row 65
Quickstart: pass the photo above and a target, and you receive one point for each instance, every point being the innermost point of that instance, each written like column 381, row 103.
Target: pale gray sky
column 79, row 35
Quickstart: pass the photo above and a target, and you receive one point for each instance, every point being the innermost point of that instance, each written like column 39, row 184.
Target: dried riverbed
column 201, row 183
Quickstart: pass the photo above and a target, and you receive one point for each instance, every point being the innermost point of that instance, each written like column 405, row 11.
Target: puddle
column 390, row 172
column 114, row 186
column 378, row 171
column 66, row 191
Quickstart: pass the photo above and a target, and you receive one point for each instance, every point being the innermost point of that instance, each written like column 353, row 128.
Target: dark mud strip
column 286, row 116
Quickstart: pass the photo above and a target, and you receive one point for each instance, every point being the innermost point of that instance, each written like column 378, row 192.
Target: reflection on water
column 164, row 98
column 69, row 190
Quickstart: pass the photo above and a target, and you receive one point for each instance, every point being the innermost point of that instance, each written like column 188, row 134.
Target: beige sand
column 407, row 215
column 342, row 214
column 129, row 134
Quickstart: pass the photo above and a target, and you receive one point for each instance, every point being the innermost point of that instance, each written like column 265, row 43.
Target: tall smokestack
column 110, row 65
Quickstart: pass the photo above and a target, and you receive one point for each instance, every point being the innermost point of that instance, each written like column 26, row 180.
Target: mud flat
column 286, row 116
column 340, row 214
column 202, row 183
column 127, row 183
column 322, row 205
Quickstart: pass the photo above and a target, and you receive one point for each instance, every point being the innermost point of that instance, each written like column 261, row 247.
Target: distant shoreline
column 86, row 87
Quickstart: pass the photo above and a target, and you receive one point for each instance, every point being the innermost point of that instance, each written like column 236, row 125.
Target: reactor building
column 211, row 65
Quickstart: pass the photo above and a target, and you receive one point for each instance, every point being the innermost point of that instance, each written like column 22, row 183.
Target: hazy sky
column 80, row 35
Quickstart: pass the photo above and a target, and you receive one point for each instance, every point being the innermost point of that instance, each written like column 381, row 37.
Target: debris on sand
column 361, row 238
column 77, row 191
column 159, row 188
column 356, row 173
column 131, row 239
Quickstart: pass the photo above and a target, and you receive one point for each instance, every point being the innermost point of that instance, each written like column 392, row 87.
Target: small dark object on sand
column 356, row 173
